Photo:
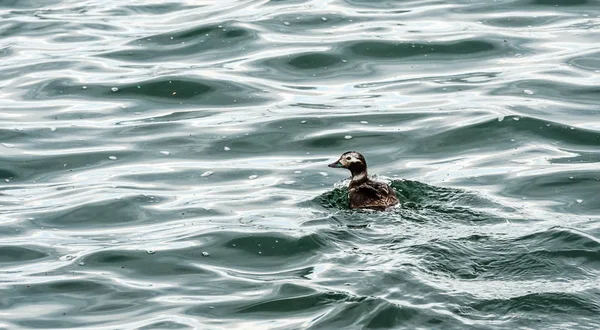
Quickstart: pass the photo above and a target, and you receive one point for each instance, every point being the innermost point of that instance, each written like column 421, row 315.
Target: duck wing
column 373, row 189
column 372, row 194
column 379, row 191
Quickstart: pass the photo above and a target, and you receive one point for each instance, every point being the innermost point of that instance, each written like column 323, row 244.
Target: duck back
column 372, row 195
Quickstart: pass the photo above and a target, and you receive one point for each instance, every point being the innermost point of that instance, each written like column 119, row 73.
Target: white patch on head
column 349, row 158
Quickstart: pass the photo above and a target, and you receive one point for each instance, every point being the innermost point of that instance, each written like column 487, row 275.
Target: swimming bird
column 365, row 193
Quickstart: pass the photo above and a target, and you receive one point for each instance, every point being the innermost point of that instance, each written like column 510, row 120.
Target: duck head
column 354, row 162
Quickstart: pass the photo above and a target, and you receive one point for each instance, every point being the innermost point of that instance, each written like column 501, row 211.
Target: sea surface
column 163, row 164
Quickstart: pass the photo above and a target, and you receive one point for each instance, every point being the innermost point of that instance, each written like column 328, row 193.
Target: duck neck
column 359, row 177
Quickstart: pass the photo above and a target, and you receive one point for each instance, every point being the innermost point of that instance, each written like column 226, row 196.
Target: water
column 163, row 164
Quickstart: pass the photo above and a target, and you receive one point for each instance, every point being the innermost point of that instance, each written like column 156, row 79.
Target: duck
column 363, row 192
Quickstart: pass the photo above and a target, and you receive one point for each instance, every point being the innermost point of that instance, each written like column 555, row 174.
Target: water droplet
column 364, row 122
column 166, row 153
column 289, row 182
column 84, row 87
column 81, row 263
column 205, row 254
column 53, row 129
column 226, row 148
column 516, row 118
column 348, row 137
column 323, row 173
column 259, row 252
column 7, row 180
column 528, row 92
column 579, row 201
column 207, row 173
column 112, row 157
column 571, row 178
column 303, row 122
column 67, row 257
column 323, row 19
column 8, row 145
column 252, row 177
column 286, row 23
column 297, row 172
column 150, row 251
column 114, row 89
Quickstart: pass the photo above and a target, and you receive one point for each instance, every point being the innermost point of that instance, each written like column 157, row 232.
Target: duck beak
column 336, row 164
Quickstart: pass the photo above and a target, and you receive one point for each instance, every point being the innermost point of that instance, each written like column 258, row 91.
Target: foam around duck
column 365, row 193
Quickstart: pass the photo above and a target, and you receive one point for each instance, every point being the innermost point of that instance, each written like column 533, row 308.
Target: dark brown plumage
column 365, row 193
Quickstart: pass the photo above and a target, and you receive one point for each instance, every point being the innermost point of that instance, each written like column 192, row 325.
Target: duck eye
column 348, row 158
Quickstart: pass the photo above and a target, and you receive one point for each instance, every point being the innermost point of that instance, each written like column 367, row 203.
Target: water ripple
column 164, row 164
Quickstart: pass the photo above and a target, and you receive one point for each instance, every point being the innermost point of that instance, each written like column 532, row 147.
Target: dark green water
column 163, row 164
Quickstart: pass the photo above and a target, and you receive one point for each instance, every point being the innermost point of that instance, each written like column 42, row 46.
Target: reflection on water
column 163, row 165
